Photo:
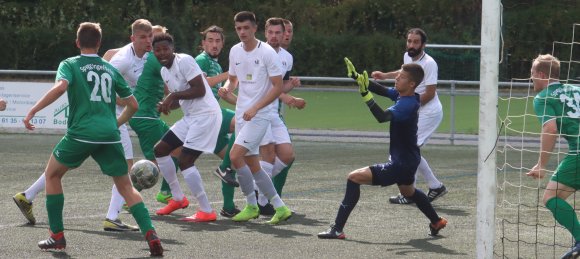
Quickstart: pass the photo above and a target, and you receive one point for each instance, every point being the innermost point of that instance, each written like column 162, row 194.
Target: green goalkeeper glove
column 361, row 80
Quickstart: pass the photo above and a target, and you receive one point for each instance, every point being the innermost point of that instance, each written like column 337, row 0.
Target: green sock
column 54, row 207
column 280, row 179
column 164, row 185
column 565, row 215
column 227, row 190
column 141, row 215
column 228, row 194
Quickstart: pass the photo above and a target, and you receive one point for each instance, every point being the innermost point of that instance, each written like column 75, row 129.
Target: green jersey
column 211, row 67
column 149, row 90
column 561, row 102
column 93, row 84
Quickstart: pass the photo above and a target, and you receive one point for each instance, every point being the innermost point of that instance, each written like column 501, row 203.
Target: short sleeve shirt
column 177, row 77
column 430, row 69
column 561, row 102
column 210, row 67
column 93, row 84
column 253, row 70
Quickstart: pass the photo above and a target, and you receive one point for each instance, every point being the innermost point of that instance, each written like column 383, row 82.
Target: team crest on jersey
column 249, row 77
column 257, row 62
column 284, row 63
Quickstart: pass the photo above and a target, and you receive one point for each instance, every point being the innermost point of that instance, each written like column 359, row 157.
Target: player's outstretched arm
column 54, row 93
column 131, row 107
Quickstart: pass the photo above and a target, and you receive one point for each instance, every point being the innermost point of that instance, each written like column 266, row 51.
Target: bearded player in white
column 430, row 113
column 255, row 68
column 129, row 60
column 196, row 132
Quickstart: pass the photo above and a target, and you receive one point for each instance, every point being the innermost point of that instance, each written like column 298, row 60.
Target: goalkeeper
column 403, row 149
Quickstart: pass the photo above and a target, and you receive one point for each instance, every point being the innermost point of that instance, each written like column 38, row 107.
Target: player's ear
column 78, row 43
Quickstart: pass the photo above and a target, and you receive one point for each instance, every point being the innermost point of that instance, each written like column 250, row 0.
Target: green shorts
column 149, row 132
column 568, row 172
column 223, row 139
column 110, row 157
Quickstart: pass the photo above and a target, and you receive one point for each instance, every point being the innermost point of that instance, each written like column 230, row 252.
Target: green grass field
column 345, row 111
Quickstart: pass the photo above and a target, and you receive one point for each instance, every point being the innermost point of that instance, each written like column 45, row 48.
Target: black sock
column 350, row 200
column 425, row 206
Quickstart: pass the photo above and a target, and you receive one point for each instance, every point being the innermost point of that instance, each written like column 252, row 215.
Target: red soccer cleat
column 201, row 216
column 154, row 243
column 172, row 206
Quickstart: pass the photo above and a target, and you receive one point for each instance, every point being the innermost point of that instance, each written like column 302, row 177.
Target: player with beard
column 431, row 111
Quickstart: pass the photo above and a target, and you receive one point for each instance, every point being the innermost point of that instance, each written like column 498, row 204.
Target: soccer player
column 91, row 85
column 431, row 111
column 288, row 35
column 276, row 148
column 404, row 154
column 129, row 61
column 196, row 132
column 255, row 68
column 212, row 43
column 557, row 109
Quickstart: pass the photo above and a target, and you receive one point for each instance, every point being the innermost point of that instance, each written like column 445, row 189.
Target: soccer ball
column 144, row 174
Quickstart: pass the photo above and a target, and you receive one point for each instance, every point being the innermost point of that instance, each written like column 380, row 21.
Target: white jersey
column 430, row 68
column 129, row 65
column 177, row 77
column 287, row 60
column 253, row 70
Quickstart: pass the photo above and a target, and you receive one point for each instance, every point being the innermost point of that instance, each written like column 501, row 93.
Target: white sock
column 167, row 168
column 115, row 205
column 267, row 187
column 278, row 167
column 267, row 167
column 193, row 180
column 427, row 173
column 35, row 188
column 247, row 184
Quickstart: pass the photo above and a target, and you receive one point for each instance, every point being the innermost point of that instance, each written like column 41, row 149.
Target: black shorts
column 386, row 174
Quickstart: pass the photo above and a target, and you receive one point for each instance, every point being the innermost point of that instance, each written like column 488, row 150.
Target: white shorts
column 249, row 134
column 198, row 132
column 426, row 126
column 277, row 133
column 126, row 141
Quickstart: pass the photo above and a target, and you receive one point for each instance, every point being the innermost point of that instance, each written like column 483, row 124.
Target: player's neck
column 420, row 56
column 250, row 44
column 89, row 51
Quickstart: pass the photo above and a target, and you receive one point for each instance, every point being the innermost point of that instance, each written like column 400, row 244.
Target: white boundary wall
column 20, row 97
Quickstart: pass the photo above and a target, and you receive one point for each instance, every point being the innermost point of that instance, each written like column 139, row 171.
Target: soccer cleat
column 155, row 248
column 117, row 225
column 227, row 176
column 163, row 197
column 332, row 233
column 228, row 213
column 435, row 228
column 267, row 210
column 25, row 207
column 282, row 214
column 249, row 212
column 172, row 206
column 400, row 199
column 54, row 242
column 574, row 252
column 436, row 193
column 201, row 216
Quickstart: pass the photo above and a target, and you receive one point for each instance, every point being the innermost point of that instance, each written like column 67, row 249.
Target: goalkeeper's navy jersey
column 403, row 148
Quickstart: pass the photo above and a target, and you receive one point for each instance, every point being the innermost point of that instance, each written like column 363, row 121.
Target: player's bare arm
column 196, row 89
column 214, row 80
column 429, row 94
column 54, row 93
column 290, row 84
column 131, row 107
column 548, row 140
column 385, row 75
column 292, row 101
column 109, row 54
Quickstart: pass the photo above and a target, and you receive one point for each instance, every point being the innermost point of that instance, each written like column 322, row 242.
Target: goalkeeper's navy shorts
column 386, row 174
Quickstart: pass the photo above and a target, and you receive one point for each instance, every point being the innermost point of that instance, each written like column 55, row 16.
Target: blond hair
column 159, row 29
column 141, row 25
column 548, row 65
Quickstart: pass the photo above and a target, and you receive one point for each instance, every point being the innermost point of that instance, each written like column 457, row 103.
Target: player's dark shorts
column 386, row 174
column 110, row 157
column 223, row 139
column 149, row 132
